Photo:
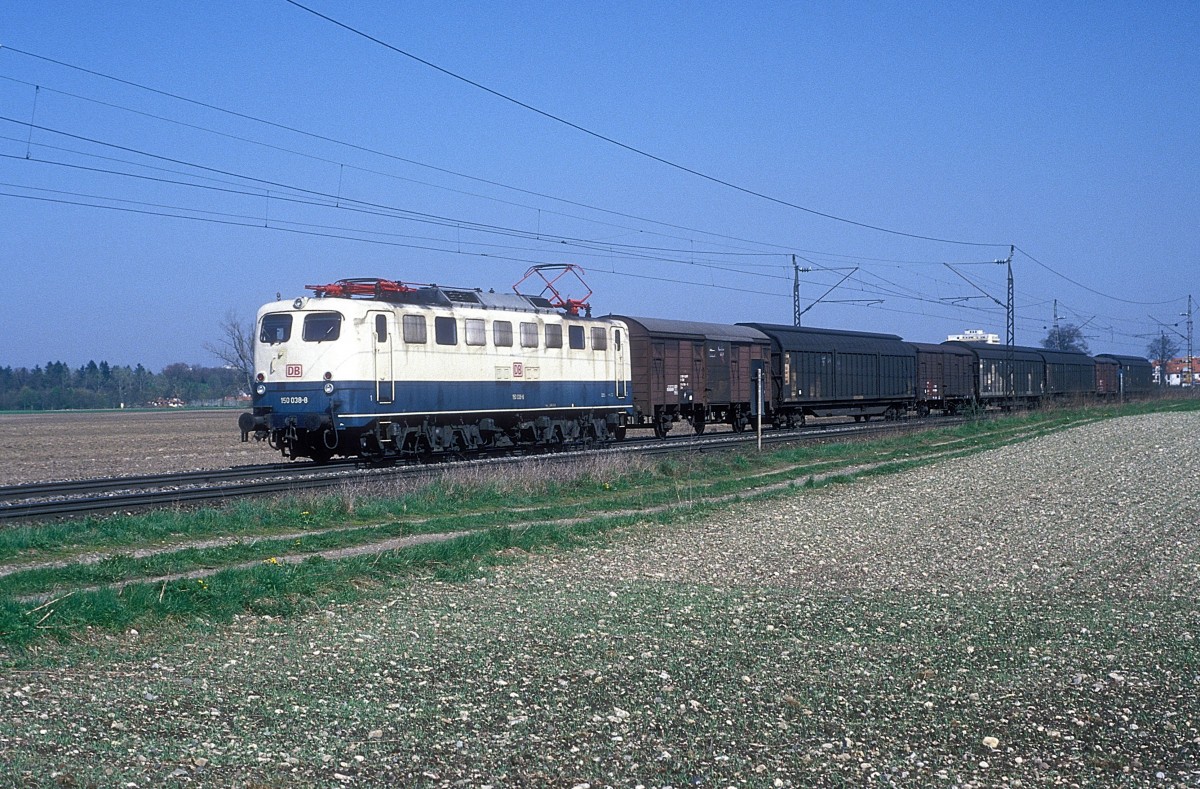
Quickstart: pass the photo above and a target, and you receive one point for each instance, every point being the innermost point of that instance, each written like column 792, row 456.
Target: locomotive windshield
column 276, row 328
column 322, row 326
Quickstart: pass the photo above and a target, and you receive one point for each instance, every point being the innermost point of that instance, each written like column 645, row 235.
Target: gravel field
column 1023, row 617
column 60, row 445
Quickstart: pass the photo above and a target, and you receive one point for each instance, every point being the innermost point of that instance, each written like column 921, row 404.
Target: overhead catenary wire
column 1091, row 290
column 634, row 149
column 330, row 200
column 353, row 146
column 626, row 250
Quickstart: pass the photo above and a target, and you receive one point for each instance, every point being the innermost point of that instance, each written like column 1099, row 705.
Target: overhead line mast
column 1010, row 333
column 796, row 311
column 1189, row 374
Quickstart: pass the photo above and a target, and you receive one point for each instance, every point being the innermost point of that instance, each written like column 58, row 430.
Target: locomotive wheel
column 619, row 433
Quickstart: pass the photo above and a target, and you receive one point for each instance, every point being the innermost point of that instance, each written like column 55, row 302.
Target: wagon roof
column 1124, row 359
column 695, row 329
column 990, row 350
column 1066, row 357
column 933, row 347
column 804, row 338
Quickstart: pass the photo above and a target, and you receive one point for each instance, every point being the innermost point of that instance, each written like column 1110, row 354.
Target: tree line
column 58, row 386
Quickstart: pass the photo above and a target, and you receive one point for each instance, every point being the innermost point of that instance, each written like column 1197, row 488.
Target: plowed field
column 73, row 445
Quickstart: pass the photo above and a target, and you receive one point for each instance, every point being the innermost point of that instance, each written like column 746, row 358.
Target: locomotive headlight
column 328, row 387
column 261, row 389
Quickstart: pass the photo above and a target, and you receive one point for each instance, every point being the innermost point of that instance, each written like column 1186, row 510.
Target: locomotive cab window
column 381, row 328
column 553, row 335
column 617, row 339
column 322, row 326
column 445, row 331
column 502, row 334
column 275, row 329
column 414, row 328
column 599, row 338
column 575, row 337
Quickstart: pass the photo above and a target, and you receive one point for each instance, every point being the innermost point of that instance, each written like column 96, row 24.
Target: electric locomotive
column 381, row 369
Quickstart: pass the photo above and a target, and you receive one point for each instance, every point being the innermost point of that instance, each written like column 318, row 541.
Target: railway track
column 75, row 498
column 78, row 498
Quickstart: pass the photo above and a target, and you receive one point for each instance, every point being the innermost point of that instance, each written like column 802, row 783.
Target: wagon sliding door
column 381, row 345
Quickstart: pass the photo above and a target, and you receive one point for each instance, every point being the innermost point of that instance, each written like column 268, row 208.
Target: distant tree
column 121, row 379
column 1067, row 337
column 1161, row 350
column 236, row 346
column 176, row 380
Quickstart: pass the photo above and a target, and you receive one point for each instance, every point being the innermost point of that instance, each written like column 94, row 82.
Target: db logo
column 294, row 370
column 518, row 370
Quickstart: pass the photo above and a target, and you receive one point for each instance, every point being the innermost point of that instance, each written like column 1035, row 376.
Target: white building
column 975, row 335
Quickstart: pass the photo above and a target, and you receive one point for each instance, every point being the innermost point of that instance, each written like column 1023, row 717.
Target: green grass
column 499, row 512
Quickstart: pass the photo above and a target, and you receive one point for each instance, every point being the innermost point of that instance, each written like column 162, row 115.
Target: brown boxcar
column 1136, row 375
column 945, row 377
column 1108, row 377
column 695, row 372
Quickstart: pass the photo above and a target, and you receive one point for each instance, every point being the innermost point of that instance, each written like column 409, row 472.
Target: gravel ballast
column 1021, row 617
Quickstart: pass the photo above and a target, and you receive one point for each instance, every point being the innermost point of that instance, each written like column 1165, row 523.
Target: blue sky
column 291, row 151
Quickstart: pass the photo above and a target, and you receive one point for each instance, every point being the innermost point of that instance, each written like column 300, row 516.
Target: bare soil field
column 60, row 445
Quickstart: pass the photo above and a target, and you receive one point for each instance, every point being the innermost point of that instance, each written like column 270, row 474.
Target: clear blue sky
column 1067, row 129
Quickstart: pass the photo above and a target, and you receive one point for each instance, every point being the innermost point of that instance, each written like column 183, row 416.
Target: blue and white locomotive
column 381, row 370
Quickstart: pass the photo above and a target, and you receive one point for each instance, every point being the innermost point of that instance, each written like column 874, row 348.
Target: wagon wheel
column 661, row 428
column 698, row 424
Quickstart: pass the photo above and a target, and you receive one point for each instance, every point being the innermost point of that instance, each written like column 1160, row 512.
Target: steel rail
column 79, row 487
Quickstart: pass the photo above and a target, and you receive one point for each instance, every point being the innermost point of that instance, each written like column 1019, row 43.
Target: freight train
column 383, row 370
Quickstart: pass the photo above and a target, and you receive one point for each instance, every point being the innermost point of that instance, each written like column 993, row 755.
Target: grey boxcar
column 827, row 372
